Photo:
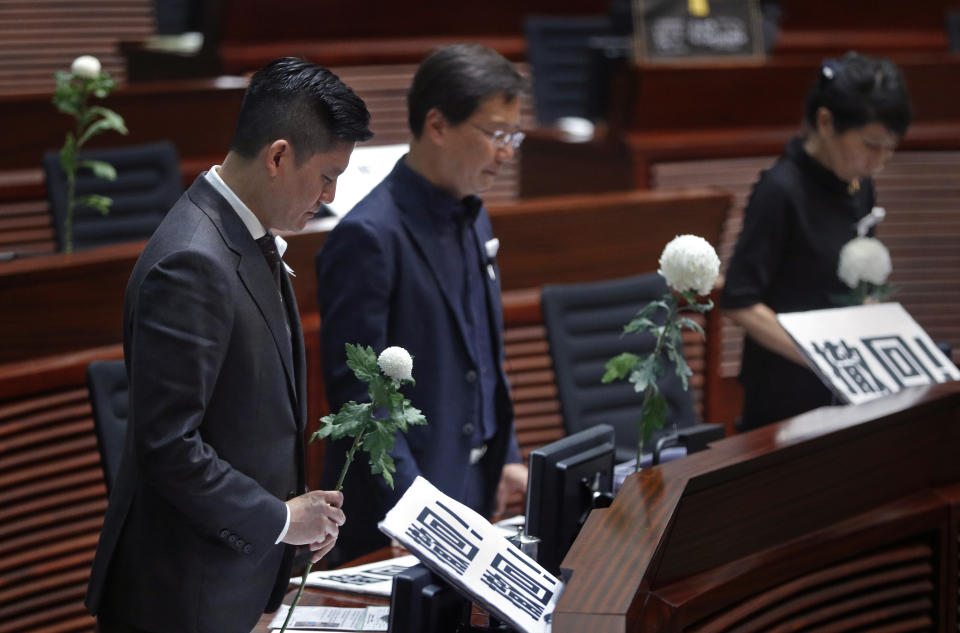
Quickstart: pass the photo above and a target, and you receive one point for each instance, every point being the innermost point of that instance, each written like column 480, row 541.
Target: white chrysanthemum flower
column 864, row 259
column 396, row 363
column 688, row 262
column 86, row 66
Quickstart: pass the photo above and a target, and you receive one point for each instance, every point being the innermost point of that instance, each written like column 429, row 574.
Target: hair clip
column 826, row 70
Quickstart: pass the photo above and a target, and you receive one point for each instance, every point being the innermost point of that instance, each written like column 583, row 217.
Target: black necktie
column 268, row 245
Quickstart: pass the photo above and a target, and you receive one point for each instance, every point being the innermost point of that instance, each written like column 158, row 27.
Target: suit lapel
column 253, row 270
column 424, row 235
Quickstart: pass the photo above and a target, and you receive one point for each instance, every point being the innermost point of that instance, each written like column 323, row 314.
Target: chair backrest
column 148, row 183
column 584, row 324
column 107, row 383
column 561, row 60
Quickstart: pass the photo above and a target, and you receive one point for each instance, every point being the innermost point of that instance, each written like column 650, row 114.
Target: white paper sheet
column 373, row 578
column 865, row 352
column 307, row 618
column 472, row 555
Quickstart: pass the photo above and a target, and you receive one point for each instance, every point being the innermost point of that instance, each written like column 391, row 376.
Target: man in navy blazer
column 209, row 500
column 413, row 264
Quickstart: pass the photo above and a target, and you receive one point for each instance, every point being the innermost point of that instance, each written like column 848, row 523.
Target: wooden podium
column 841, row 519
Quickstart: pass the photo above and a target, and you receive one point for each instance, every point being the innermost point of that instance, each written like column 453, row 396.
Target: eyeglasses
column 502, row 139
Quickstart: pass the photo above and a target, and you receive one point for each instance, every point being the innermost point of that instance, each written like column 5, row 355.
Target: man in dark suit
column 413, row 264
column 209, row 501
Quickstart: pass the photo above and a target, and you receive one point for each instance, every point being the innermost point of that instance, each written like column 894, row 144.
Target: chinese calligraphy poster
column 865, row 352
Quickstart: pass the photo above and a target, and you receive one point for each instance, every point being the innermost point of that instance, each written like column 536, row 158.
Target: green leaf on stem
column 643, row 319
column 110, row 121
column 362, row 361
column 680, row 365
column 690, row 324
column 409, row 416
column 702, row 308
column 653, row 414
column 378, row 443
column 100, row 169
column 638, row 324
column 619, row 367
column 380, row 390
column 96, row 201
column 648, row 370
column 350, row 421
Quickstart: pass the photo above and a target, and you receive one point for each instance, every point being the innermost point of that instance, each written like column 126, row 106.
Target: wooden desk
column 839, row 518
column 836, row 518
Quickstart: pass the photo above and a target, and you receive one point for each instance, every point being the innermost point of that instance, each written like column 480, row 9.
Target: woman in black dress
column 800, row 213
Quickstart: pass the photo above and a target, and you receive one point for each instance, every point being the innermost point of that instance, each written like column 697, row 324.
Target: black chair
column 562, row 63
column 584, row 328
column 107, row 383
column 148, row 183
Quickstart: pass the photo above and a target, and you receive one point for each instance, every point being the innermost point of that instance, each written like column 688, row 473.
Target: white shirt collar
column 246, row 216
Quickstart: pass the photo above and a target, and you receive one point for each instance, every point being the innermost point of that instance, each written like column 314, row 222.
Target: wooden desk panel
column 59, row 303
column 685, row 543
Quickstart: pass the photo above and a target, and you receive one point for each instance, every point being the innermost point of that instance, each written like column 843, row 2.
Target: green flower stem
column 306, row 572
column 68, row 221
column 296, row 599
column 72, row 172
column 349, row 459
column 649, row 390
column 647, row 394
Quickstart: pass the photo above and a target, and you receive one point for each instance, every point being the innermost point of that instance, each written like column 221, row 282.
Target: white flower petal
column 396, row 363
column 864, row 259
column 689, row 262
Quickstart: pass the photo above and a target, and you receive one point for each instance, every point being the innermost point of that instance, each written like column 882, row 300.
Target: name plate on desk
column 473, row 556
column 865, row 352
column 674, row 30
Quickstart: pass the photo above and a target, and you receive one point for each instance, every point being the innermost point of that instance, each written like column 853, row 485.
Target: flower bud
column 396, row 363
column 86, row 66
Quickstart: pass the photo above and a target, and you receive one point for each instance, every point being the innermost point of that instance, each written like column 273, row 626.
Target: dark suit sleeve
column 759, row 248
column 355, row 282
column 181, row 328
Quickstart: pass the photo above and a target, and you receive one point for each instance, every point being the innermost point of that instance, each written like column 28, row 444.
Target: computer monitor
column 568, row 478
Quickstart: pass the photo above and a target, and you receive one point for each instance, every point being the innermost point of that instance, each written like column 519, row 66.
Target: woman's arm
column 761, row 325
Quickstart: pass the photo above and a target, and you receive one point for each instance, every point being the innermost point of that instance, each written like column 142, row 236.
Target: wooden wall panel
column 38, row 37
column 155, row 111
column 52, row 494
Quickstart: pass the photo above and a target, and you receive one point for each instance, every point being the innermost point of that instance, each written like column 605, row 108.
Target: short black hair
column 457, row 79
column 303, row 103
column 859, row 90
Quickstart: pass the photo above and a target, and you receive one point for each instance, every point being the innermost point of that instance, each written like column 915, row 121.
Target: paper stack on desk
column 472, row 555
column 307, row 618
column 373, row 578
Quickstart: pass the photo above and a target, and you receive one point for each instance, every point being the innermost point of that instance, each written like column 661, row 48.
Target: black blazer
column 215, row 443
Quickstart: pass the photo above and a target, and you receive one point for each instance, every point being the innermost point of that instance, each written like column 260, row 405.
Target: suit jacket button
column 469, row 428
column 232, row 539
column 471, row 376
column 247, row 548
column 224, row 533
column 291, row 494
